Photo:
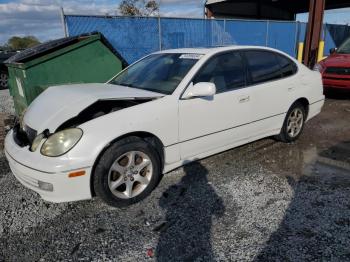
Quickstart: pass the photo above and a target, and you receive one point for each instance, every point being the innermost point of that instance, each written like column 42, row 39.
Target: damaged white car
column 115, row 140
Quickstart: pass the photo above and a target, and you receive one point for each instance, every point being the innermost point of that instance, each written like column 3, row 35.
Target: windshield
column 345, row 47
column 159, row 73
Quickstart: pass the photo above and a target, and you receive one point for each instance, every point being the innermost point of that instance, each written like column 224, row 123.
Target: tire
column 127, row 172
column 3, row 80
column 287, row 135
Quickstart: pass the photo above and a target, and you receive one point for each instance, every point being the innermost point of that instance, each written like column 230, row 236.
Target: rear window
column 288, row 67
column 263, row 66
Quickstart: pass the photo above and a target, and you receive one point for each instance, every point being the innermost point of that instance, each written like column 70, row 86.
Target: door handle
column 291, row 88
column 244, row 99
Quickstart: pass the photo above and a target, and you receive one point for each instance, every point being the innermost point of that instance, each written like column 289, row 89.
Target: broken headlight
column 36, row 142
column 61, row 142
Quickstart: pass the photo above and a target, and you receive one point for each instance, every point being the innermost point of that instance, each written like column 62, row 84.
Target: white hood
column 59, row 103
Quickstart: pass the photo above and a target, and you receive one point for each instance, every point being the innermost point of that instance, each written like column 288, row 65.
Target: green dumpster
column 87, row 58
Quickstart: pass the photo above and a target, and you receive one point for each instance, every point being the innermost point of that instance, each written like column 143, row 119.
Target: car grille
column 24, row 136
column 338, row 70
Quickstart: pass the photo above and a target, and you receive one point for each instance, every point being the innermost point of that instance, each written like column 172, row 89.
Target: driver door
column 211, row 123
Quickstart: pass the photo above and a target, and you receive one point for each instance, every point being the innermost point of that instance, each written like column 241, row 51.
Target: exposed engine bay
column 24, row 135
column 100, row 108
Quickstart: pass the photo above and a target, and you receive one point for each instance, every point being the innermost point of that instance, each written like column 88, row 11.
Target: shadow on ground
column 316, row 225
column 190, row 206
column 338, row 94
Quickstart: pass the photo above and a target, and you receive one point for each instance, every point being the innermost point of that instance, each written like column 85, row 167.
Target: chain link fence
column 135, row 37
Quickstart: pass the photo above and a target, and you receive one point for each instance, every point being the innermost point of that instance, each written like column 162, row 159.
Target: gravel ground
column 266, row 201
column 6, row 103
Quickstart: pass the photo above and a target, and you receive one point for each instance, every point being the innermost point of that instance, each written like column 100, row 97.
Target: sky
column 41, row 18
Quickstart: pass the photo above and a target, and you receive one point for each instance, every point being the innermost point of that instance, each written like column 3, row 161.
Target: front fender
column 158, row 117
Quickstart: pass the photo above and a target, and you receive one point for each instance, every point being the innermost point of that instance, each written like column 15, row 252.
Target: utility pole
column 314, row 30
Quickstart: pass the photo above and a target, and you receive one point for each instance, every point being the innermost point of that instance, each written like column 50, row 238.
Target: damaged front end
column 24, row 135
column 100, row 108
column 68, row 106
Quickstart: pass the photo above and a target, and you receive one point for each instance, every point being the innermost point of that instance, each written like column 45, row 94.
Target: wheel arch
column 305, row 102
column 146, row 136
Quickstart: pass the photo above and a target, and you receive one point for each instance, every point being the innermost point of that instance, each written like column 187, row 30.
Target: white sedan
column 115, row 140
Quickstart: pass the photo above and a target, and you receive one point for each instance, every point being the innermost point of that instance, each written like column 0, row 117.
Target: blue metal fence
column 135, row 37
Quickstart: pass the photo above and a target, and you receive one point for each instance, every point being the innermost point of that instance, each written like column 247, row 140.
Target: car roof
column 213, row 50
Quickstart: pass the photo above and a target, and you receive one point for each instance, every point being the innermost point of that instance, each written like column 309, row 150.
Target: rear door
column 271, row 82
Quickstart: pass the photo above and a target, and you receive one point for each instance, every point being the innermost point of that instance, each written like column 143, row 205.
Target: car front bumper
column 33, row 171
column 336, row 81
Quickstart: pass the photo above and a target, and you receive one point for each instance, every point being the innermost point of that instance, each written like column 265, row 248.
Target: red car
column 335, row 69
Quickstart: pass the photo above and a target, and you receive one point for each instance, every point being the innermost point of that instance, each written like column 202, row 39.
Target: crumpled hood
column 59, row 103
column 337, row 60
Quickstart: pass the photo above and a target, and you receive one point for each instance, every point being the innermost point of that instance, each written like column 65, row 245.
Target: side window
column 226, row 71
column 288, row 67
column 263, row 66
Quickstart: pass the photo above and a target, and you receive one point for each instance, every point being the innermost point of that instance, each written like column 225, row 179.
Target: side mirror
column 332, row 50
column 202, row 89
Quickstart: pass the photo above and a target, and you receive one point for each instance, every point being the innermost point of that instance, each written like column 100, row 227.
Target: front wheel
column 127, row 172
column 293, row 124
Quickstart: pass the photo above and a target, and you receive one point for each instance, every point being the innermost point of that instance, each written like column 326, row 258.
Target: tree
column 17, row 42
column 139, row 8
column 4, row 48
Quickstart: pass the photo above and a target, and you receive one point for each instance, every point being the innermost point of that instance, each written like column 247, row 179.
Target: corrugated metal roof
column 290, row 5
column 209, row 2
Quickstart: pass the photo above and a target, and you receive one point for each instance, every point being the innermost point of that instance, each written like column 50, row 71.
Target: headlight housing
column 318, row 67
column 61, row 142
column 36, row 142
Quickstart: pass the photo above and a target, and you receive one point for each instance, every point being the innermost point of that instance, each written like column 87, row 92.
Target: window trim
column 291, row 62
column 208, row 61
column 146, row 57
column 249, row 77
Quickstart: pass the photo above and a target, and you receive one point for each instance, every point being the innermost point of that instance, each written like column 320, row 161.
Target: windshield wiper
column 146, row 89
column 124, row 84
column 155, row 90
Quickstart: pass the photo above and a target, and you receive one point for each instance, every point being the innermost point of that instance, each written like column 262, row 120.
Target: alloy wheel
column 295, row 122
column 130, row 174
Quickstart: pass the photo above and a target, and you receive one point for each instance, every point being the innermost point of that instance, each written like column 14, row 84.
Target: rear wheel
column 293, row 124
column 127, row 172
column 3, row 80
